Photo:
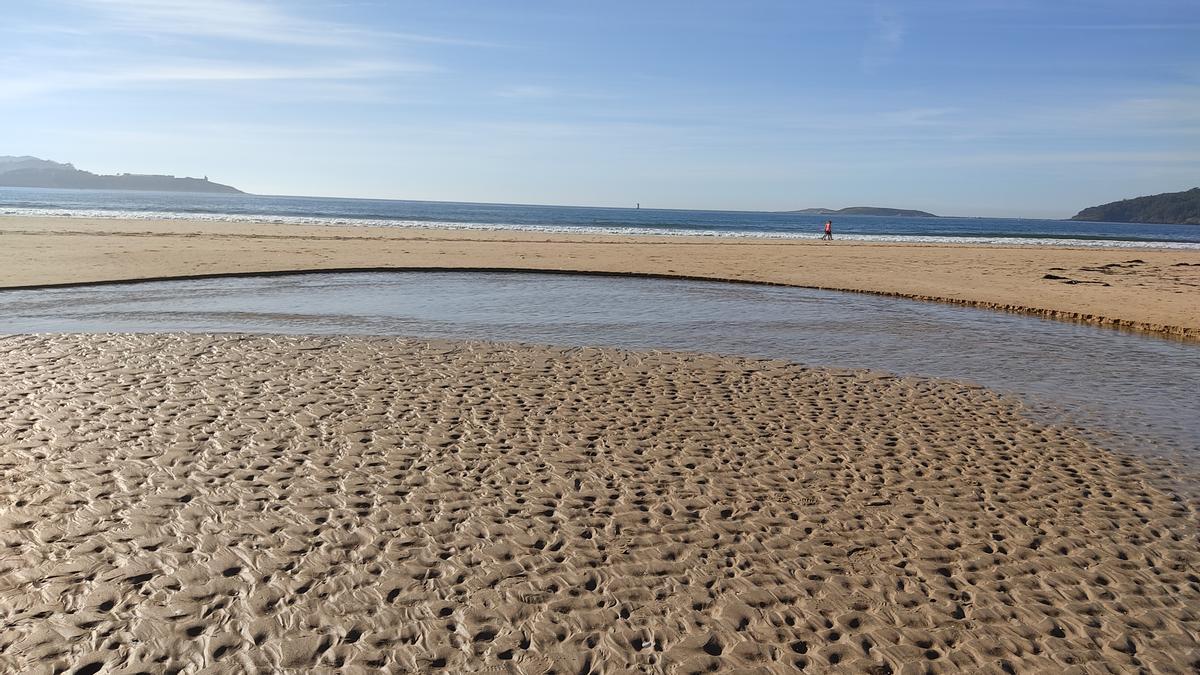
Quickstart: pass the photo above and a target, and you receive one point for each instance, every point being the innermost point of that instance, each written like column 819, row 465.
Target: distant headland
column 1172, row 208
column 864, row 211
column 32, row 172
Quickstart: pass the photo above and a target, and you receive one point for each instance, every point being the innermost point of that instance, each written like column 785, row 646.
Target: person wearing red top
column 828, row 231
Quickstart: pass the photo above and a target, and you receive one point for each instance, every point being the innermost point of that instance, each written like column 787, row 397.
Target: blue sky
column 971, row 107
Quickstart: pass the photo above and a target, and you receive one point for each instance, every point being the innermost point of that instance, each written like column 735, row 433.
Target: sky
column 960, row 107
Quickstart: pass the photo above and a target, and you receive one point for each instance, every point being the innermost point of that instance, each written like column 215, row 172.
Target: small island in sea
column 865, row 211
column 32, row 172
column 1169, row 208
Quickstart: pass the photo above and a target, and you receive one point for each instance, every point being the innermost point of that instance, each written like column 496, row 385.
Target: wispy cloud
column 1179, row 105
column 1173, row 111
column 886, row 39
column 228, row 19
column 281, row 46
column 225, row 72
column 1135, row 26
column 193, row 72
column 240, row 20
column 911, row 117
column 526, row 91
column 1036, row 158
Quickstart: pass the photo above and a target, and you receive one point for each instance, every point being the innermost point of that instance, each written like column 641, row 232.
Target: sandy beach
column 1150, row 290
column 174, row 503
column 180, row 503
column 599, row 338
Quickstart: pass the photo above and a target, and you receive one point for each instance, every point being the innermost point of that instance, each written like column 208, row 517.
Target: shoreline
column 1162, row 332
column 643, row 230
column 1144, row 290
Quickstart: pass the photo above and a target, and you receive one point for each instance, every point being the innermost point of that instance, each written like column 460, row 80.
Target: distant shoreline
column 33, row 172
column 123, row 182
column 864, row 211
column 1168, row 208
column 781, row 230
column 815, row 211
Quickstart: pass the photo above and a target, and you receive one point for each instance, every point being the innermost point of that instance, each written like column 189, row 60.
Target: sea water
column 589, row 220
column 1133, row 391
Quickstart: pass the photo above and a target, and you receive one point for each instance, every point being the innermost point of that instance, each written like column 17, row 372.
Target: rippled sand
column 171, row 503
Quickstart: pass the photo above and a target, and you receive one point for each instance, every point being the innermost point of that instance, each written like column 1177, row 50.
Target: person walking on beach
column 828, row 236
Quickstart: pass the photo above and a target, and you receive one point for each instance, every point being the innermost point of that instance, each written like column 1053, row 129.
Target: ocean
column 588, row 220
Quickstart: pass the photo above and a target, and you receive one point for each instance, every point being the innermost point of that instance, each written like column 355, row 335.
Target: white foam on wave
column 335, row 221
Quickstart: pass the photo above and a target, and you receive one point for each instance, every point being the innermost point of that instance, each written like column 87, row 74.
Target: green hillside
column 1169, row 207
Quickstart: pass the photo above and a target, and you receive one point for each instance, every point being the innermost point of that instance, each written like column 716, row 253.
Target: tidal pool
column 1130, row 391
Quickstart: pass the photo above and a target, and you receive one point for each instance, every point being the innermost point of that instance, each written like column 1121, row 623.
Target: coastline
column 1147, row 290
column 265, row 502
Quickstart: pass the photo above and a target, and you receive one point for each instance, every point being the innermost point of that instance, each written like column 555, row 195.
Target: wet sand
column 1150, row 290
column 174, row 503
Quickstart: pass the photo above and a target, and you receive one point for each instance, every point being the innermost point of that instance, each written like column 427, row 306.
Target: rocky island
column 31, row 172
column 865, row 211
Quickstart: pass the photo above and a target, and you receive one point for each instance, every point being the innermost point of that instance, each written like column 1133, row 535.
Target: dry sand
column 171, row 504
column 1152, row 290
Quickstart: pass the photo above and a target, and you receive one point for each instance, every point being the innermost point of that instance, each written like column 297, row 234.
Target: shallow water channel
column 1135, row 392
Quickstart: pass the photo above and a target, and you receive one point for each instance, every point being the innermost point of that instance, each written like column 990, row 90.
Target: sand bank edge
column 1182, row 333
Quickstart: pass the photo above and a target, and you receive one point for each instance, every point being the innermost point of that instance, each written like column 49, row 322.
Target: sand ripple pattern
column 170, row 504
